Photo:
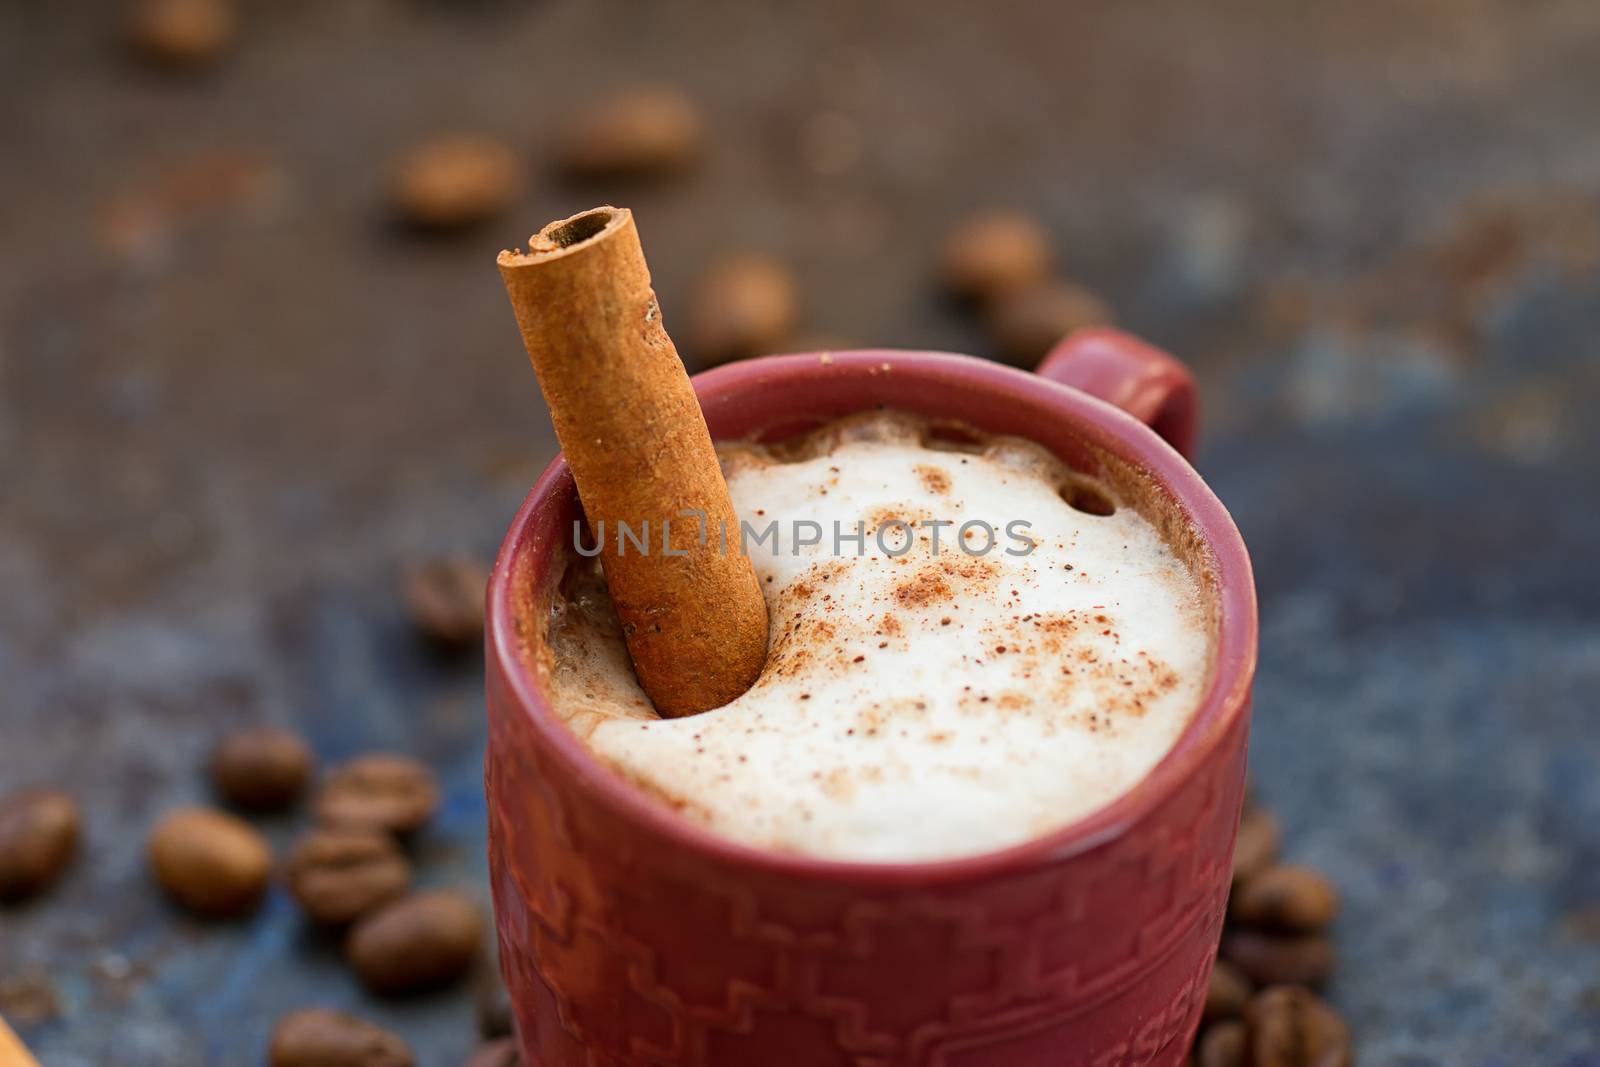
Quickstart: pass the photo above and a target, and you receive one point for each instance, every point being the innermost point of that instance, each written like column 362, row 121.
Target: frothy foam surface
column 920, row 707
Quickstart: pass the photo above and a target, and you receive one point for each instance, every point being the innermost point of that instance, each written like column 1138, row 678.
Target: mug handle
column 1135, row 376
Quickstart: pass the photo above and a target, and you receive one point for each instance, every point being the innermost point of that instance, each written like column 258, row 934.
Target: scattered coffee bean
column 993, row 254
column 316, row 1037
column 1272, row 939
column 446, row 599
column 1222, row 1045
column 817, row 342
column 1291, row 1027
column 181, row 33
column 493, row 1004
column 210, row 862
column 261, row 769
column 380, row 790
column 1026, row 324
column 1285, row 898
column 1228, row 993
column 28, row 999
column 1260, row 838
column 647, row 131
column 418, row 942
column 340, row 873
column 38, row 836
column 502, row 1053
column 1279, row 959
column 455, row 181
column 742, row 306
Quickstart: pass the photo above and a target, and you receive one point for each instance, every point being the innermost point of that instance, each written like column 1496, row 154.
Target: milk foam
column 921, row 707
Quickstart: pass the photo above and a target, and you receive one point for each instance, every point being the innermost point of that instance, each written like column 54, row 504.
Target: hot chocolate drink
column 971, row 645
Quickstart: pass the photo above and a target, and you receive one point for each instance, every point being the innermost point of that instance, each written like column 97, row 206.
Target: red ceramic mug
column 631, row 935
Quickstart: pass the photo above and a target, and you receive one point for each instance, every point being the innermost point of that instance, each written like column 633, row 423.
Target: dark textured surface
column 233, row 401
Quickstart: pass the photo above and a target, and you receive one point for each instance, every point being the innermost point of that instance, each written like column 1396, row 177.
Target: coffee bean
column 494, row 1005
column 1228, row 993
column 316, row 1037
column 502, row 1053
column 379, row 791
column 1285, row 898
column 445, row 597
column 641, row 132
column 1025, row 324
column 742, row 306
column 1279, row 959
column 455, row 181
column 1222, row 1045
column 1290, row 1027
column 28, row 999
column 418, row 942
column 210, row 862
column 38, row 836
column 261, row 769
column 806, row 343
column 340, row 873
column 993, row 254
column 1260, row 838
column 181, row 33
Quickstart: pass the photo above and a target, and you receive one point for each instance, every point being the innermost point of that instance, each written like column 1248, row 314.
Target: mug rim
column 1107, row 426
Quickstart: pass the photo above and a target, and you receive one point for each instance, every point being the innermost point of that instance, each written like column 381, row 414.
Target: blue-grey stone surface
column 234, row 400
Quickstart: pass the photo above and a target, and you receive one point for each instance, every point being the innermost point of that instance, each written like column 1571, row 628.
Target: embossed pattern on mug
column 960, row 975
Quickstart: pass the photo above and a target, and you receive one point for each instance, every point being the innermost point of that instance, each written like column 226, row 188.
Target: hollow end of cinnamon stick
column 636, row 441
column 564, row 235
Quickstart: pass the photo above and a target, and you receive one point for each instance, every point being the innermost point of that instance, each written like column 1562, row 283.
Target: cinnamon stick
column 640, row 452
column 13, row 1053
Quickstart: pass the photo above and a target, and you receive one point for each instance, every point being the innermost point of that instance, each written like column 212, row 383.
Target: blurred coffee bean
column 210, row 862
column 1279, row 959
column 646, row 131
column 1026, row 323
column 145, row 219
column 807, row 343
column 455, row 181
column 261, row 769
column 380, row 790
column 742, row 306
column 1260, row 838
column 1285, row 898
column 493, row 1004
column 38, row 837
column 29, row 998
column 181, row 33
column 445, row 597
column 1222, row 1045
column 502, row 1053
column 316, row 1037
column 993, row 254
column 340, row 873
column 418, row 942
column 1228, row 993
column 1290, row 1027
